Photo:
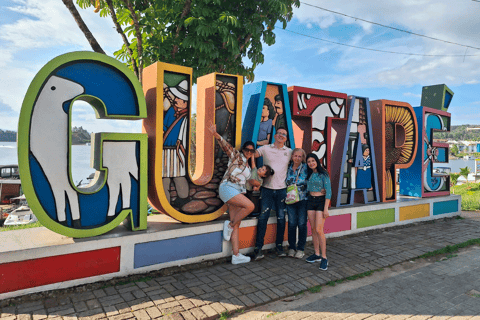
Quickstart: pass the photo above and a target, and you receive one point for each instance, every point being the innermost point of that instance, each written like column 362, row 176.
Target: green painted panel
column 375, row 217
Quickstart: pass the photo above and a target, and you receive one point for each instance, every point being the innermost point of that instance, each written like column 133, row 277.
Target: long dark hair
column 246, row 144
column 320, row 168
column 271, row 109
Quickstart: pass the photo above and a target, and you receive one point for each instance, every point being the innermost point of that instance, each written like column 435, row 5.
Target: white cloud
column 438, row 19
column 410, row 94
column 47, row 23
column 42, row 30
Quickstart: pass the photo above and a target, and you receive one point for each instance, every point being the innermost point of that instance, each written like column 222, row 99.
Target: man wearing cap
column 175, row 141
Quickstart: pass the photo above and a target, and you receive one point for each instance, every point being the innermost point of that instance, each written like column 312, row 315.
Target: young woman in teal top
column 317, row 207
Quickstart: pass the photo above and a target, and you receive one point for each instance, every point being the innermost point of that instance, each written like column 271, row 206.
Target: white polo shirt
column 278, row 159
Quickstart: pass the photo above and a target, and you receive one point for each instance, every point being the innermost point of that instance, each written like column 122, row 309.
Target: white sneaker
column 299, row 254
column 227, row 230
column 291, row 253
column 240, row 258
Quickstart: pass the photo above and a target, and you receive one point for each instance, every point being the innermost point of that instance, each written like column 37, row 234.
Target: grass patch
column 272, row 314
column 25, row 226
column 315, row 289
column 450, row 249
column 459, row 218
column 333, row 283
column 224, row 315
column 470, row 193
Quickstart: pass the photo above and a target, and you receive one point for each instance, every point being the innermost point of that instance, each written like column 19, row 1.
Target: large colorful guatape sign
column 361, row 143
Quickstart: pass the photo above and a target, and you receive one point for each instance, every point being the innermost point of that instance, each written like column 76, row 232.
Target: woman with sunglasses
column 232, row 190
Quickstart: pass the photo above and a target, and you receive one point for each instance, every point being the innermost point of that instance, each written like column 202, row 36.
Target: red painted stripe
column 334, row 224
column 38, row 272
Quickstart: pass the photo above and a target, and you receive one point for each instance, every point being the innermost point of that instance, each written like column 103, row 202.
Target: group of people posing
column 282, row 167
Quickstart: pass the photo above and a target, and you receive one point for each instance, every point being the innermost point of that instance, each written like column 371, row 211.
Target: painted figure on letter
column 175, row 140
column 279, row 121
column 266, row 123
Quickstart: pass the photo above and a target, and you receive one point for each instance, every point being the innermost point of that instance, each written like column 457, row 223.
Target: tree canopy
column 224, row 36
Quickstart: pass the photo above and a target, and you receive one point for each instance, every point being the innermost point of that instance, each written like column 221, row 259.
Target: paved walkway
column 207, row 293
column 447, row 289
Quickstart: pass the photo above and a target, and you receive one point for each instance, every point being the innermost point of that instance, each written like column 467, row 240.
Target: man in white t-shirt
column 274, row 190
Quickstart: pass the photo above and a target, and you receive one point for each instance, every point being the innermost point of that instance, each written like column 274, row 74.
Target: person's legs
column 302, row 224
column 239, row 207
column 280, row 209
column 320, row 221
column 242, row 208
column 267, row 203
column 292, row 211
column 313, row 223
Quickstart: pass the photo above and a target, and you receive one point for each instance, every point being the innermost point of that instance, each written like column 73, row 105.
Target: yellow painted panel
column 414, row 212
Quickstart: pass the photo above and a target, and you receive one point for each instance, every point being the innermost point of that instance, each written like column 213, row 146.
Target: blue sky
column 32, row 32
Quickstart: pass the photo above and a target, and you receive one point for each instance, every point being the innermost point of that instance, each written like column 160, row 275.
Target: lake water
column 80, row 159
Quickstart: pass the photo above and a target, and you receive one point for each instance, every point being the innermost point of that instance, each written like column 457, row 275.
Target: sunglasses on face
column 249, row 150
column 282, row 134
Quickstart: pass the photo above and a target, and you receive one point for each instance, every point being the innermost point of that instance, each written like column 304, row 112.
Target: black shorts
column 316, row 203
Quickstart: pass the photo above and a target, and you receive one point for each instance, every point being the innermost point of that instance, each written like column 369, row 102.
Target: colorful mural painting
column 119, row 188
column 395, row 142
column 361, row 146
column 310, row 110
column 420, row 180
column 177, row 191
column 357, row 181
column 256, row 125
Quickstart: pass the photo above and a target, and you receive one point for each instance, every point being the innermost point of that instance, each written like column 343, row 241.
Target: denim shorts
column 316, row 203
column 228, row 190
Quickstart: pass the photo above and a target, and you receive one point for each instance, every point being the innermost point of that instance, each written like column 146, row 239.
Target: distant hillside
column 79, row 136
column 7, row 135
column 460, row 133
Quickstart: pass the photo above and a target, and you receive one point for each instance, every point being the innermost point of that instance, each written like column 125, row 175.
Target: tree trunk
column 81, row 24
column 124, row 37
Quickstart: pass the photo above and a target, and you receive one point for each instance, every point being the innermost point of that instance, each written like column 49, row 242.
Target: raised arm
column 226, row 147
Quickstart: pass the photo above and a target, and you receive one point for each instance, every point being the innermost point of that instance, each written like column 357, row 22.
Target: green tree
column 453, row 180
column 454, row 150
column 464, row 172
column 207, row 35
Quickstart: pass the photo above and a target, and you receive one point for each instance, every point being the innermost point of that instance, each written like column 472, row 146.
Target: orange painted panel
column 247, row 236
column 414, row 212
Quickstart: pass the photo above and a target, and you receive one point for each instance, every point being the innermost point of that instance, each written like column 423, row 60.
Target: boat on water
column 20, row 216
column 467, row 157
column 10, row 184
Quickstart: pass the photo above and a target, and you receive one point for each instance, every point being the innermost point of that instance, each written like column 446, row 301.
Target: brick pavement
column 447, row 289
column 207, row 293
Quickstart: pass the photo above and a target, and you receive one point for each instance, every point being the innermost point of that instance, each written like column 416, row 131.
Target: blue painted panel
column 445, row 207
column 250, row 108
column 155, row 252
column 101, row 80
column 411, row 178
column 442, row 155
column 448, row 99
